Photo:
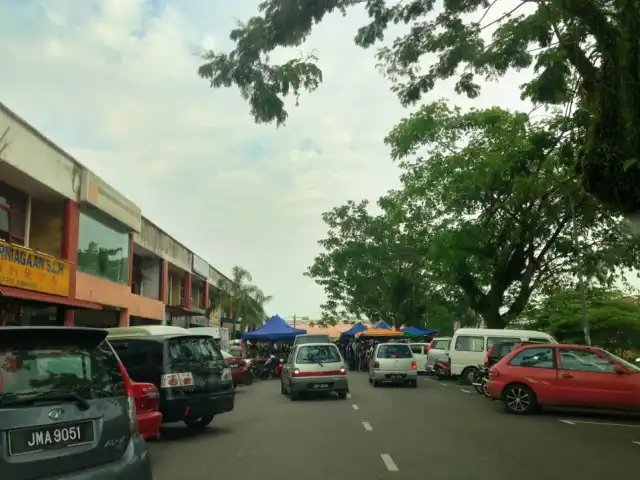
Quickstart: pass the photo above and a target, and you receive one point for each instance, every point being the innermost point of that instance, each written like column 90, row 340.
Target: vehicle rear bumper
column 176, row 410
column 388, row 376
column 242, row 377
column 135, row 464
column 149, row 424
column 308, row 384
column 495, row 389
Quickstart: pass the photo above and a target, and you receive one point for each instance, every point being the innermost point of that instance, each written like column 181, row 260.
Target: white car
column 394, row 363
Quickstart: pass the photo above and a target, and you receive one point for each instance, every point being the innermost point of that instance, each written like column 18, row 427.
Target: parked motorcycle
column 272, row 367
column 442, row 370
column 253, row 368
column 481, row 380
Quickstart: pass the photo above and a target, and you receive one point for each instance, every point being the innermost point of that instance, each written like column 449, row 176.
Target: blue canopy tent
column 354, row 330
column 417, row 331
column 381, row 324
column 275, row 329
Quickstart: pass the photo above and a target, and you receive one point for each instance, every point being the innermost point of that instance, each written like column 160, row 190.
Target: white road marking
column 348, row 395
column 465, row 391
column 637, row 443
column 355, row 407
column 604, row 424
column 389, row 463
column 443, row 384
column 367, row 426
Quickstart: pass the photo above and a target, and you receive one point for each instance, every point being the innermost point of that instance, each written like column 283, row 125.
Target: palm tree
column 240, row 299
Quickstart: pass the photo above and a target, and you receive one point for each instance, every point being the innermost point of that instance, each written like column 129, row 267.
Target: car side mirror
column 620, row 370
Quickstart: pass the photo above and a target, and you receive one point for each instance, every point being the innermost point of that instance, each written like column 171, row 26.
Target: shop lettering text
column 31, row 260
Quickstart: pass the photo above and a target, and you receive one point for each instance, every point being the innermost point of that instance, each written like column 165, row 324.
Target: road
column 439, row 431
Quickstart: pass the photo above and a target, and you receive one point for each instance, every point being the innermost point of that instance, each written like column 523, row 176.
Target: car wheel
column 200, row 422
column 370, row 380
column 468, row 375
column 413, row 384
column 519, row 399
column 342, row 395
column 375, row 383
column 283, row 390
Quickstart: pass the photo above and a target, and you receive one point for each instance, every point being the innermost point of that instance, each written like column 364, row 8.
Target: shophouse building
column 74, row 251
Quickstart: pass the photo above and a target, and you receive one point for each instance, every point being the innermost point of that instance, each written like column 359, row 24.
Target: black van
column 189, row 371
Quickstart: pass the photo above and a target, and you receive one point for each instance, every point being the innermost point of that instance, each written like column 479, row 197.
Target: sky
column 114, row 83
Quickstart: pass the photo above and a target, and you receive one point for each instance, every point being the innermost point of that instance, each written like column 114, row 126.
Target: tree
column 240, row 299
column 588, row 48
column 494, row 191
column 371, row 269
column 614, row 319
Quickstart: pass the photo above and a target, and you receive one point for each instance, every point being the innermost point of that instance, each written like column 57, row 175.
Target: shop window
column 103, row 251
column 13, row 208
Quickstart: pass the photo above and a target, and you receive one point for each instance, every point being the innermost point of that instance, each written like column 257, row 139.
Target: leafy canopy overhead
column 588, row 48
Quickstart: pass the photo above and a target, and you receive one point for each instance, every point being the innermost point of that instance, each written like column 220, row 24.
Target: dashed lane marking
column 465, row 391
column 637, row 443
column 389, row 463
column 348, row 395
column 443, row 384
column 355, row 407
column 367, row 426
column 604, row 424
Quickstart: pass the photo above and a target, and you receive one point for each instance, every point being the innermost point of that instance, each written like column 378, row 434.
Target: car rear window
column 394, row 351
column 318, row 354
column 194, row 349
column 38, row 367
column 312, row 339
column 441, row 344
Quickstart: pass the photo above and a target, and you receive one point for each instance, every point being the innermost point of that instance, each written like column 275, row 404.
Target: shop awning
column 46, row 298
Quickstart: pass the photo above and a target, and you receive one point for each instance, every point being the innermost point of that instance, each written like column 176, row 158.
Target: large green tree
column 371, row 268
column 614, row 318
column 239, row 298
column 495, row 193
column 584, row 48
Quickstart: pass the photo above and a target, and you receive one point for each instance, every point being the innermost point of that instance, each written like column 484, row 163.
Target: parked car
column 314, row 368
column 311, row 338
column 420, row 352
column 239, row 369
column 533, row 376
column 188, row 369
column 67, row 407
column 469, row 346
column 498, row 350
column 437, row 351
column 394, row 363
column 148, row 410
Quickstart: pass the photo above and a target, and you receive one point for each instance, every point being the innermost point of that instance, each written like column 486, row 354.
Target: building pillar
column 187, row 291
column 205, row 295
column 71, row 226
column 131, row 260
column 125, row 318
column 164, row 282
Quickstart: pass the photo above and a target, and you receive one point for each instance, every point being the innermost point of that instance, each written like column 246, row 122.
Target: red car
column 568, row 376
column 148, row 410
column 239, row 370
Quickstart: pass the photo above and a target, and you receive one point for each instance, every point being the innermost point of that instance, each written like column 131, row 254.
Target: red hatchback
column 239, row 371
column 569, row 376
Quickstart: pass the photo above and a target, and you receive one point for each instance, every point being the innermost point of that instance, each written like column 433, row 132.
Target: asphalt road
column 440, row 431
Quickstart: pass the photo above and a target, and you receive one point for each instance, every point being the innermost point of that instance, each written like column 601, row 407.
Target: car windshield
column 313, row 339
column 394, row 351
column 318, row 354
column 38, row 368
column 624, row 363
column 194, row 349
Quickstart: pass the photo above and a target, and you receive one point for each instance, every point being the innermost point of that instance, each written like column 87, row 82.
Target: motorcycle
column 272, row 367
column 481, row 380
column 441, row 370
column 253, row 368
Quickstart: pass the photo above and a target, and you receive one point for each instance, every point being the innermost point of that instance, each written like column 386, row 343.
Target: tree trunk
column 493, row 319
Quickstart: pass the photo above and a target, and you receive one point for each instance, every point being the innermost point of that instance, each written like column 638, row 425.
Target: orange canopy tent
column 380, row 332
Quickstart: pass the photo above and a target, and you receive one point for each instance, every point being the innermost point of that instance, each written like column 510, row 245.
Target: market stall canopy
column 354, row 330
column 380, row 332
column 417, row 331
column 381, row 324
column 275, row 329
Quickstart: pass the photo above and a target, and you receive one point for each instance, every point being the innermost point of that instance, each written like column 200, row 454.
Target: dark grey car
column 67, row 410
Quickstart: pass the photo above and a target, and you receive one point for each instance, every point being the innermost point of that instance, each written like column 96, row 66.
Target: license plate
column 54, row 437
column 319, row 386
column 234, row 365
column 396, row 376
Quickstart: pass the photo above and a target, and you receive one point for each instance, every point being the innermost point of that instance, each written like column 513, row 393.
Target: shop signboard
column 30, row 270
column 200, row 267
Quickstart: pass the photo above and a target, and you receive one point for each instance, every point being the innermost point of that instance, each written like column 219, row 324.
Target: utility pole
column 581, row 285
column 294, row 320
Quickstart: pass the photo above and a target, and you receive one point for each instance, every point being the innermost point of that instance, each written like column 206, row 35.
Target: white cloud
column 114, row 82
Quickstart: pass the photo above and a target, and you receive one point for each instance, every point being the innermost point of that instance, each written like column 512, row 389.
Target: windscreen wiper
column 82, row 402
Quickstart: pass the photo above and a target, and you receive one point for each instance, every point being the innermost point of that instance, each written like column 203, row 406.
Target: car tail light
column 493, row 374
column 148, row 398
column 414, row 365
column 131, row 398
column 376, row 364
column 486, row 359
column 343, row 371
column 296, row 373
column 172, row 380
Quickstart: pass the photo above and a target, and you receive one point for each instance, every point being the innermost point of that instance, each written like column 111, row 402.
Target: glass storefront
column 103, row 251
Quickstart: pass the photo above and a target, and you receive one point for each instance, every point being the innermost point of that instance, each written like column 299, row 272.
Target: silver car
column 314, row 368
column 393, row 362
column 438, row 350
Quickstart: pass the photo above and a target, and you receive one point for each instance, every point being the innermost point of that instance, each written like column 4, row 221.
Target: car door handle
column 567, row 375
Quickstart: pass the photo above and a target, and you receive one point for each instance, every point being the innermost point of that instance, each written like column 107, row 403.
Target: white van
column 469, row 346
